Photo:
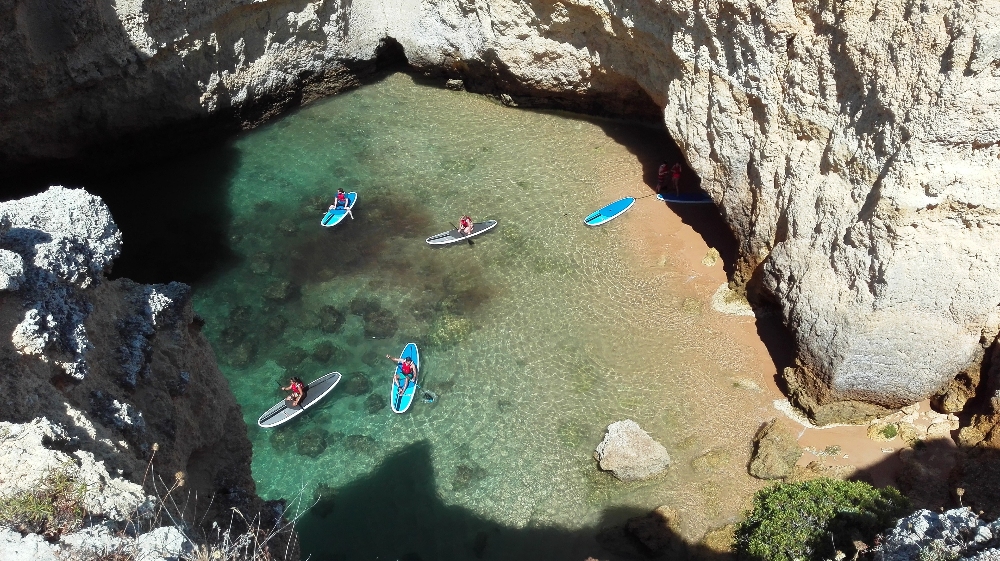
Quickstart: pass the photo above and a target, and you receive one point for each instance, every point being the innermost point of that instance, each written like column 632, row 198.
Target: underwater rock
column 713, row 460
column 326, row 351
column 292, row 357
column 629, row 453
column 243, row 354
column 232, row 335
column 467, row 475
column 280, row 290
column 372, row 357
column 331, row 319
column 775, row 452
column 380, row 324
column 323, row 500
column 273, row 327
column 359, row 306
column 311, row 442
column 375, row 403
column 356, row 383
column 288, row 227
column 657, row 531
column 281, row 440
column 260, row 263
column 449, row 330
column 456, row 85
column 241, row 315
column 361, row 443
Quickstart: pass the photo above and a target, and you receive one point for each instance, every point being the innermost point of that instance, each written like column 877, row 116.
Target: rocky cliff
column 852, row 146
column 107, row 382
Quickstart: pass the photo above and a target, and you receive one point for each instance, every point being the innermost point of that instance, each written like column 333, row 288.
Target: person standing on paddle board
column 465, row 225
column 407, row 368
column 298, row 389
column 340, row 201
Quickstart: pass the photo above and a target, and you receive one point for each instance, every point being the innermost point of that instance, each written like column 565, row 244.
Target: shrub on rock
column 813, row 519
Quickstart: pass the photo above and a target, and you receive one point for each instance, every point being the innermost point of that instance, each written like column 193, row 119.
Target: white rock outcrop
column 630, row 453
column 954, row 534
column 853, row 147
column 108, row 383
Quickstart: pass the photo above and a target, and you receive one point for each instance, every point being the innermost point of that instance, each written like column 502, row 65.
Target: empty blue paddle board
column 401, row 400
column 610, row 212
column 686, row 198
column 334, row 216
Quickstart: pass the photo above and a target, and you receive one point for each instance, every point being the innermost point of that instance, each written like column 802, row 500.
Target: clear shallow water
column 535, row 338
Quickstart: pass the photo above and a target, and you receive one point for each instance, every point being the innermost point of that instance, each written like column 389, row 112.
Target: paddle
column 456, row 230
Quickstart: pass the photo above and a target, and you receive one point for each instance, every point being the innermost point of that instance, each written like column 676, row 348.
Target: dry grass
column 53, row 509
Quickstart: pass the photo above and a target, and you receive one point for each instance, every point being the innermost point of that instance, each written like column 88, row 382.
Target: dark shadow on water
column 173, row 213
column 396, row 513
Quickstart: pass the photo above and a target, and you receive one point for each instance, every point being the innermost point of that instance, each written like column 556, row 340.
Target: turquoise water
column 534, row 339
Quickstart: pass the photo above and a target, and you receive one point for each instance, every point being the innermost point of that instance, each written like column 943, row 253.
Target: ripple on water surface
column 534, row 338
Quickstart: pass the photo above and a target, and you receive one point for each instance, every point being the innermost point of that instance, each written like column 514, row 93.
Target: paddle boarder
column 407, row 368
column 340, row 201
column 465, row 225
column 298, row 389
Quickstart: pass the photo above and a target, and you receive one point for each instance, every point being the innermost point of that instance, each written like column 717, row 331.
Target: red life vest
column 466, row 221
column 341, row 198
column 296, row 387
column 406, row 368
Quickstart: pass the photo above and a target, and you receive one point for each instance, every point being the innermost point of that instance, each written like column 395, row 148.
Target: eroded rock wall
column 852, row 145
column 110, row 380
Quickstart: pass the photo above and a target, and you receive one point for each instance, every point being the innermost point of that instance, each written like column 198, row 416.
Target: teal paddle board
column 610, row 212
column 402, row 397
column 336, row 215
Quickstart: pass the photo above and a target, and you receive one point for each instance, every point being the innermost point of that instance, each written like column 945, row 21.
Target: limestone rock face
column 630, row 453
column 852, row 147
column 108, row 382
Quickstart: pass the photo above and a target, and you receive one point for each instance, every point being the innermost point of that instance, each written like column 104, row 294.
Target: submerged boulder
column 629, row 453
column 356, row 383
column 775, row 452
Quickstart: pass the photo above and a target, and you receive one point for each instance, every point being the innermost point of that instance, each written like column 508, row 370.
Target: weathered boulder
column 629, row 453
column 776, row 450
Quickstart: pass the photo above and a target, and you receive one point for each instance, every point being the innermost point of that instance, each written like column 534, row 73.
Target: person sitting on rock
column 298, row 389
column 407, row 369
column 465, row 225
column 340, row 201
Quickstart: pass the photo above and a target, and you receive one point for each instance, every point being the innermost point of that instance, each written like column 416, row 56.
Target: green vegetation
column 889, row 432
column 54, row 508
column 813, row 519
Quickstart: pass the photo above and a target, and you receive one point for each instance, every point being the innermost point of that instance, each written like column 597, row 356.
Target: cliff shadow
column 396, row 513
column 653, row 146
column 173, row 212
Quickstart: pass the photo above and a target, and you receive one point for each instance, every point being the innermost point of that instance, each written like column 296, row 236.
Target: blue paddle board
column 334, row 216
column 402, row 398
column 610, row 212
column 686, row 198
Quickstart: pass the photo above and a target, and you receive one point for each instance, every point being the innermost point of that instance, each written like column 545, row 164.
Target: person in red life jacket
column 298, row 389
column 340, row 201
column 407, row 369
column 465, row 225
column 675, row 177
column 661, row 176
